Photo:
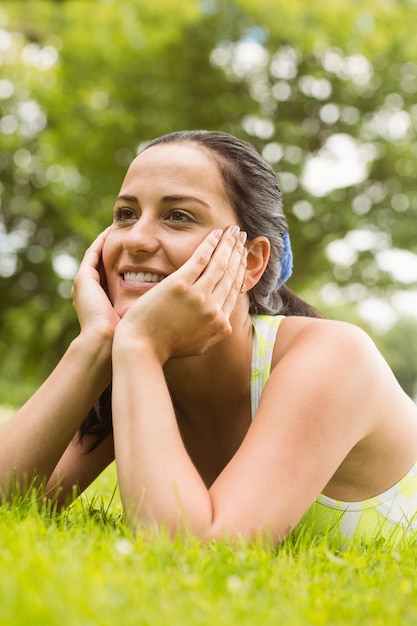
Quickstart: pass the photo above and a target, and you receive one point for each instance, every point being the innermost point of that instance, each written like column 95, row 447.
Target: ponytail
column 293, row 305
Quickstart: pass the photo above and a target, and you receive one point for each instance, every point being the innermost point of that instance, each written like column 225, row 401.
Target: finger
column 228, row 286
column 92, row 255
column 98, row 243
column 235, row 289
column 219, row 263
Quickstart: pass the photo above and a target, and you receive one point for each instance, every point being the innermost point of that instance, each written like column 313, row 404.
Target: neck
column 211, row 397
column 207, row 377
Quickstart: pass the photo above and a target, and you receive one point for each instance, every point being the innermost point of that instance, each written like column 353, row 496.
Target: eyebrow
column 170, row 199
column 127, row 198
column 165, row 199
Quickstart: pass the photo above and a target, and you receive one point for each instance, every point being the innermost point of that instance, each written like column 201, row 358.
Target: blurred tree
column 399, row 347
column 315, row 87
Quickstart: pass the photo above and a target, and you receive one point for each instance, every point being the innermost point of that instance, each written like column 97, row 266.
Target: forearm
column 157, row 480
column 32, row 442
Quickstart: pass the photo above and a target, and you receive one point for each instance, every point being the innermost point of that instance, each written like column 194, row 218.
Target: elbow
column 203, row 522
column 171, row 520
column 216, row 530
column 245, row 533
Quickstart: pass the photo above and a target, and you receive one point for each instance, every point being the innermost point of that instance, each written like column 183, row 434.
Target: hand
column 189, row 311
column 94, row 309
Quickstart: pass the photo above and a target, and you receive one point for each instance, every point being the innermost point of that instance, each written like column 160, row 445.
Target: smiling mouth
column 143, row 277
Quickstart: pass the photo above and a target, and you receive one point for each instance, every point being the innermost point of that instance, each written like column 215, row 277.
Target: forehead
column 176, row 164
column 178, row 171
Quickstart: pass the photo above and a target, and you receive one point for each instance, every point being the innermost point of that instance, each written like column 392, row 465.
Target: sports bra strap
column 263, row 342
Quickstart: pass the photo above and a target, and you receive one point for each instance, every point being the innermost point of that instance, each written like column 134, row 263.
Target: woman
column 236, row 411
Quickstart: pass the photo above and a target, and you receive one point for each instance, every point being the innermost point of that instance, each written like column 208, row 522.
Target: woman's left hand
column 189, row 311
column 94, row 310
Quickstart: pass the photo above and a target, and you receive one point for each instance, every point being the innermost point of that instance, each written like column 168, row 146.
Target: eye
column 124, row 214
column 179, row 217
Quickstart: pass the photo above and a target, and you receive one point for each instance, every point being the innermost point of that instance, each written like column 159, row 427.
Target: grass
column 85, row 567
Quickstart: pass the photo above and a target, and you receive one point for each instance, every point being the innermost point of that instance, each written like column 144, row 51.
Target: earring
column 243, row 288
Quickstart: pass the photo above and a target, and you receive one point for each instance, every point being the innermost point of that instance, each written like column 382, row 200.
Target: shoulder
column 300, row 330
column 331, row 375
column 331, row 346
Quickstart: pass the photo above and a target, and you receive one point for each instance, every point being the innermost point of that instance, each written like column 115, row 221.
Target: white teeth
column 143, row 277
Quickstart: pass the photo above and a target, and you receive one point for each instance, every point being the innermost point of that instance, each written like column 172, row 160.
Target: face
column 172, row 197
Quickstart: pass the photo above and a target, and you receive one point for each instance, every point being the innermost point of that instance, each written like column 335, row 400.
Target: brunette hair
column 254, row 193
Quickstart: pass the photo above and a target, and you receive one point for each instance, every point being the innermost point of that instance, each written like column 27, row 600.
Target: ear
column 257, row 259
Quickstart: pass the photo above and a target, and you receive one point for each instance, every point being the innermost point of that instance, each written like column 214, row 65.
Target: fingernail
column 234, row 230
column 243, row 236
column 217, row 233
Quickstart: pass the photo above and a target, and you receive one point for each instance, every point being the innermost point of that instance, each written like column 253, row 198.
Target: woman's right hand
column 94, row 310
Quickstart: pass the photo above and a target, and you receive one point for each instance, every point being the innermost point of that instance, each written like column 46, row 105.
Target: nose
column 142, row 236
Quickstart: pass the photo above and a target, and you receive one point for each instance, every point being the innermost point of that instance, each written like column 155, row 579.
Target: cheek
column 180, row 251
column 109, row 256
column 178, row 256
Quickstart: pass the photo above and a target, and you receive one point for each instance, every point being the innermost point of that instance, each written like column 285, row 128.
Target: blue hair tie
column 286, row 260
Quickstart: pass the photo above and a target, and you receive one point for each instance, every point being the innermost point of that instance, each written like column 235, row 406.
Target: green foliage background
column 84, row 83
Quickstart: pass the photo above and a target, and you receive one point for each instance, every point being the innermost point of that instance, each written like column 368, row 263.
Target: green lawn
column 85, row 568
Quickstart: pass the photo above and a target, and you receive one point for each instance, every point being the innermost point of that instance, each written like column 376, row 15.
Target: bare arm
column 33, row 441
column 320, row 401
column 157, row 480
column 306, row 425
column 77, row 468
